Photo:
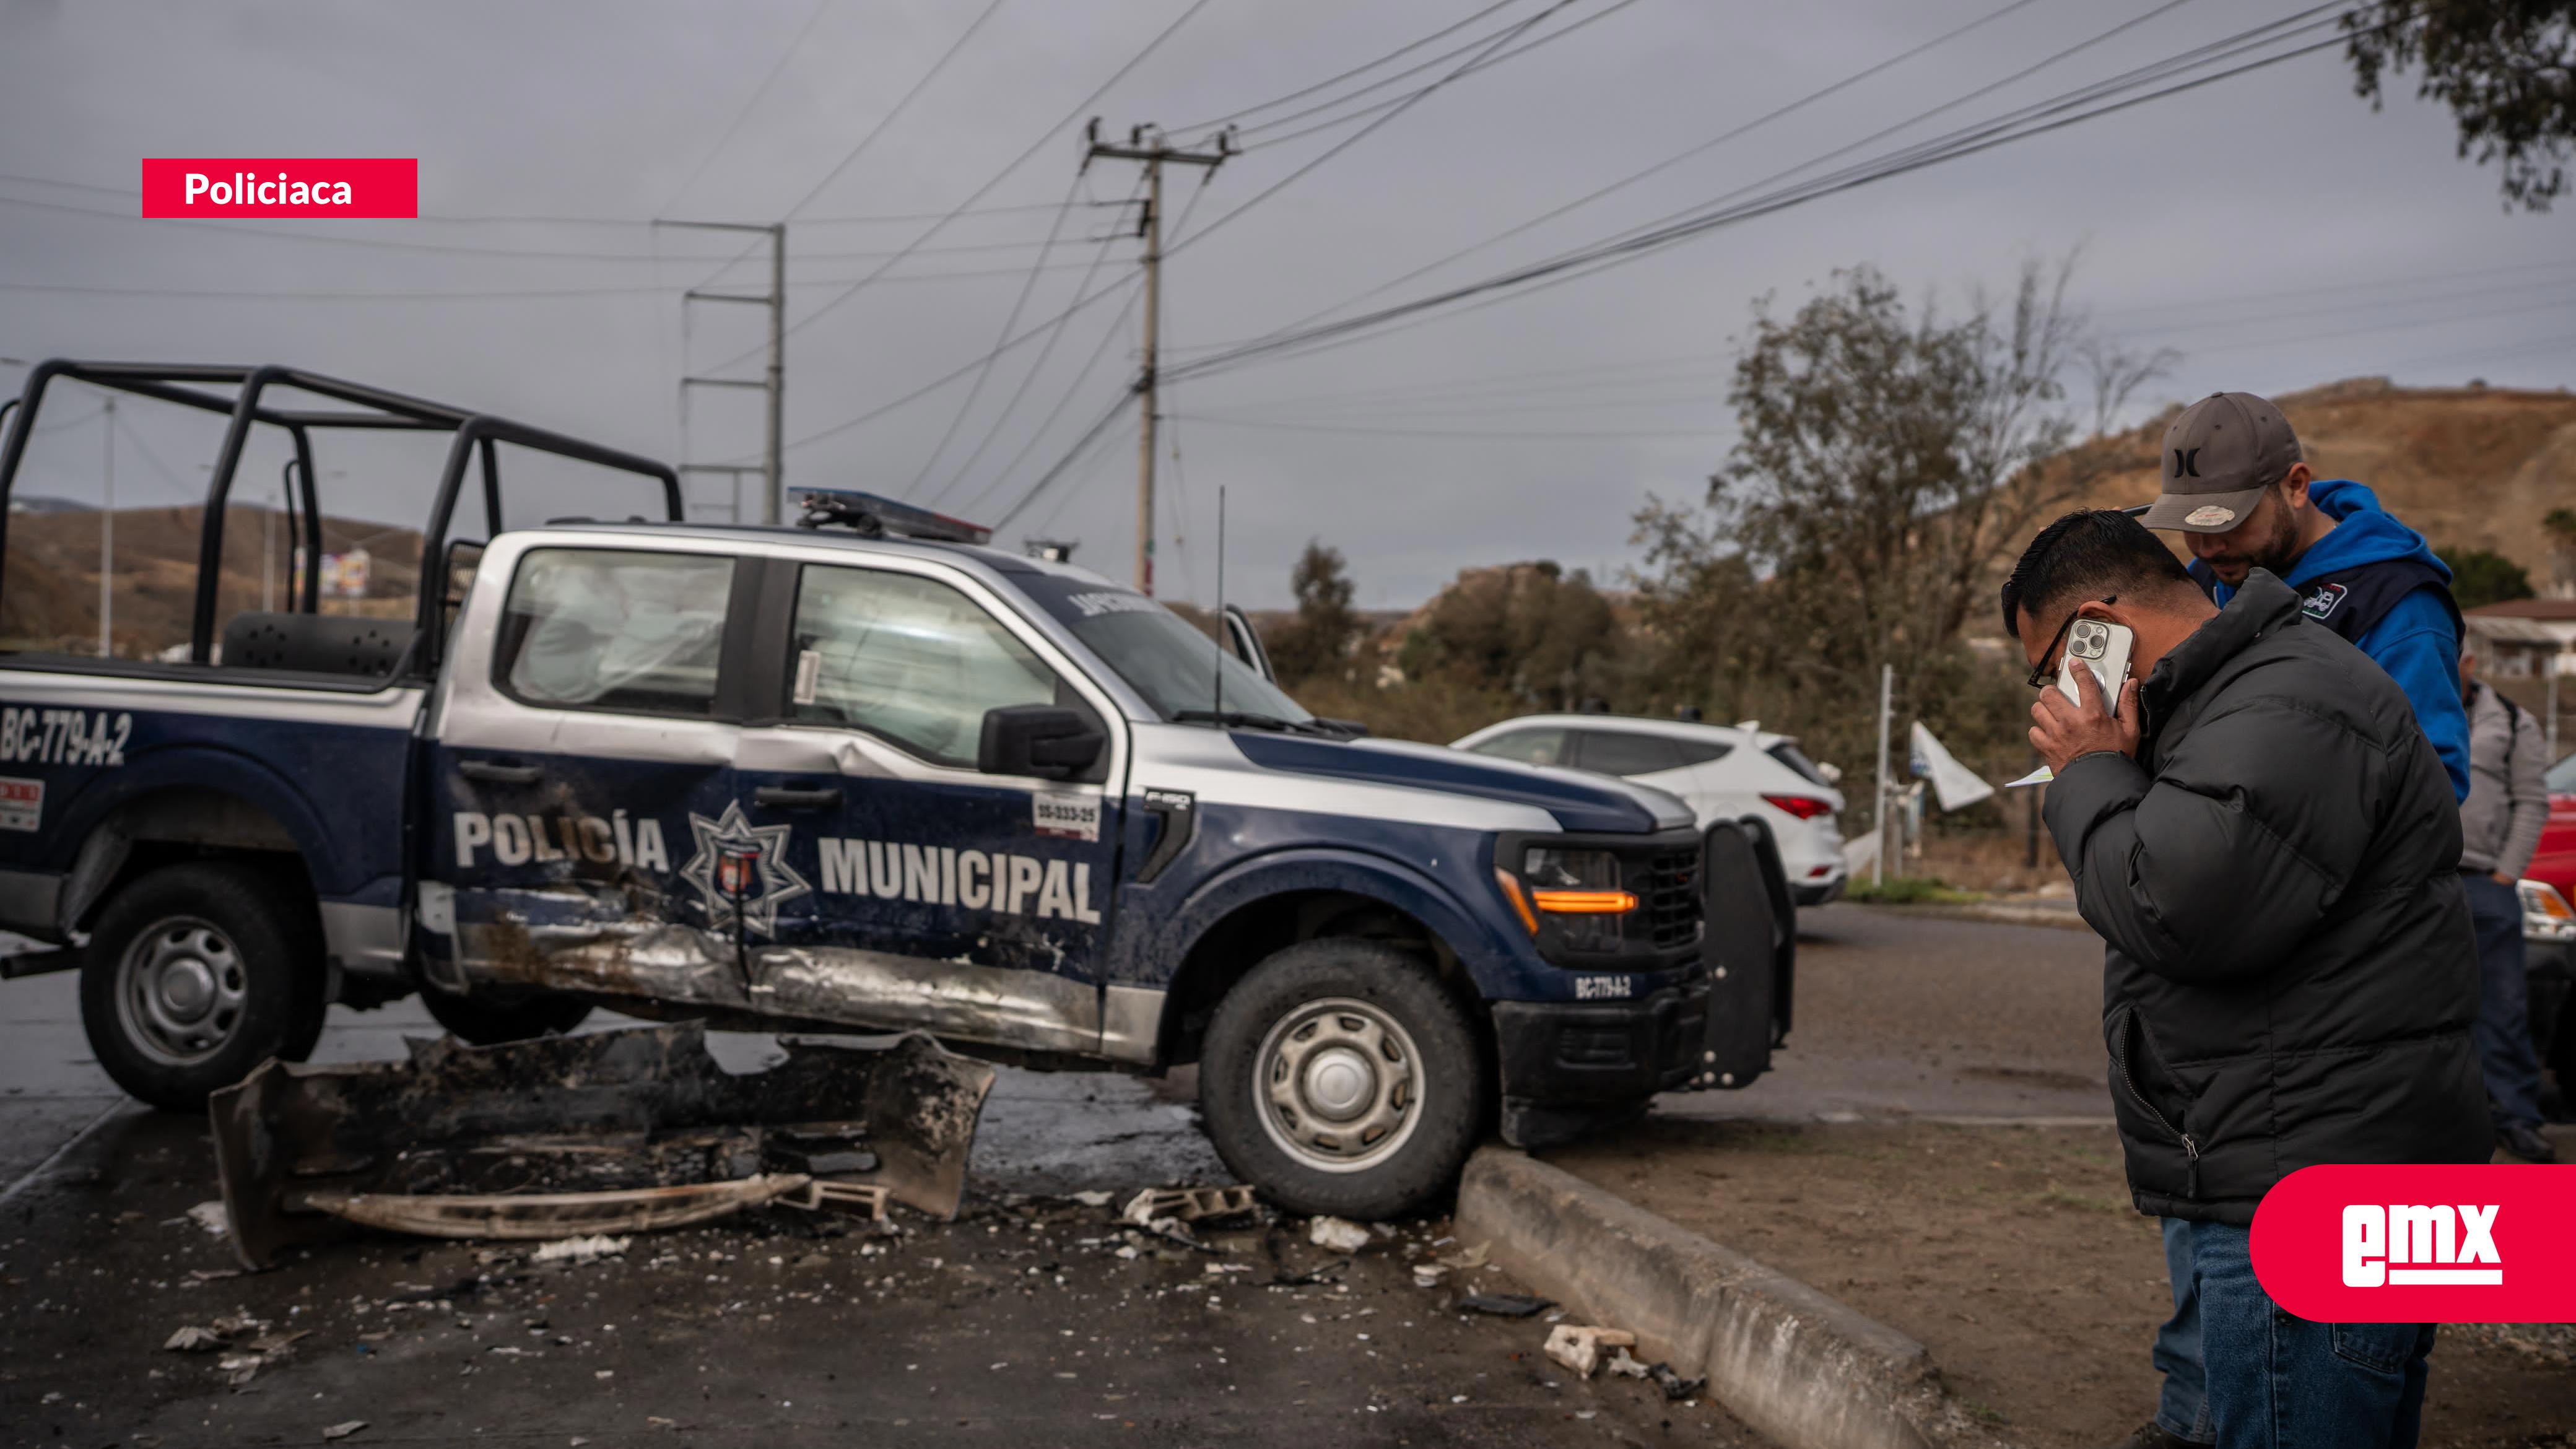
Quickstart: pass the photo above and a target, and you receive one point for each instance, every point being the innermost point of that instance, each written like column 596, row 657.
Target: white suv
column 1721, row 771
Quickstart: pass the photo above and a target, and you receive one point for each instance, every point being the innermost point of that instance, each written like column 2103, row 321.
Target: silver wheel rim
column 181, row 991
column 1338, row 1085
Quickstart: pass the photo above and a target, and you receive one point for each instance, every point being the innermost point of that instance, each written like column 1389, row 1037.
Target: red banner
column 2457, row 1244
column 324, row 187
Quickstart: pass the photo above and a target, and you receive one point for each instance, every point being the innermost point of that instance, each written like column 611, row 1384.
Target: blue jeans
column 2242, row 1374
column 2183, row 1408
column 2504, row 1015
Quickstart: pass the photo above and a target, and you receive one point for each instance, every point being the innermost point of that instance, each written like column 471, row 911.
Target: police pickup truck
column 867, row 774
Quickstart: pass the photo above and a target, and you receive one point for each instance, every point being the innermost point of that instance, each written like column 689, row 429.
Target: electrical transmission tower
column 1146, row 145
column 774, row 382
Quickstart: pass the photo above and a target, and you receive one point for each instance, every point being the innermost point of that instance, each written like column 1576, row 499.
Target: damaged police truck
column 862, row 775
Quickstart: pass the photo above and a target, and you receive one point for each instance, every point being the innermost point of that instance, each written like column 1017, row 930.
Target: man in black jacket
column 2268, row 845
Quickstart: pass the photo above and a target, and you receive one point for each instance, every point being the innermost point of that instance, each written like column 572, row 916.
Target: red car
column 2549, row 941
column 2556, row 862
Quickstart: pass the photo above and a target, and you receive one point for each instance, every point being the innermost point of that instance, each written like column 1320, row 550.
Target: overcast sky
column 2271, row 226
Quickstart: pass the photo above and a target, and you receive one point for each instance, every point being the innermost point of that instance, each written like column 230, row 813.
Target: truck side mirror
column 1045, row 740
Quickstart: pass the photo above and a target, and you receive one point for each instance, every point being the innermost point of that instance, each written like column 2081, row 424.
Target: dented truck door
column 579, row 775
column 974, row 906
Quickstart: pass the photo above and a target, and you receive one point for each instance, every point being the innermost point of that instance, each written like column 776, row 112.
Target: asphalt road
column 1021, row 1323
column 1032, row 1320
column 1903, row 1015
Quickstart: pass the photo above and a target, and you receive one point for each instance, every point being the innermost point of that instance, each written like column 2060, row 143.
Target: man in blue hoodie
column 2237, row 490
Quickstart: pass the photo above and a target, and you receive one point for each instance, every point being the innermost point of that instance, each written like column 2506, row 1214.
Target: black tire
column 197, row 973
column 491, row 1017
column 1415, row 1155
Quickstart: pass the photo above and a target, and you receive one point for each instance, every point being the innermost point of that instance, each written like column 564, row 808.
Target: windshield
column 1173, row 665
column 2562, row 777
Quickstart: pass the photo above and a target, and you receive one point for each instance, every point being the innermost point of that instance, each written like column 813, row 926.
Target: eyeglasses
column 2040, row 673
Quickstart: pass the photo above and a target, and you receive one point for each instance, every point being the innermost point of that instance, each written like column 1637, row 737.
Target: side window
column 909, row 659
column 1530, row 747
column 1613, row 753
column 615, row 629
column 1701, row 752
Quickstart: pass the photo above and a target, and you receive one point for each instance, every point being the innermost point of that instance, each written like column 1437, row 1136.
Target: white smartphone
column 2101, row 647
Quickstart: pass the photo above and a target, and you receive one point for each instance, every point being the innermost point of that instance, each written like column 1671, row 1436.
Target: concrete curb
column 2063, row 918
column 1789, row 1361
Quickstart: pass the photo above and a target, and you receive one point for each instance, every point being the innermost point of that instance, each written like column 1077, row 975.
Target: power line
column 1082, row 375
column 1433, row 63
column 1330, row 81
column 771, row 79
column 1689, row 153
column 2021, row 124
column 1090, row 436
column 540, row 219
column 492, row 295
column 1371, row 128
column 1217, row 420
column 888, row 118
column 1018, row 304
column 1029, row 378
column 982, row 191
column 466, row 249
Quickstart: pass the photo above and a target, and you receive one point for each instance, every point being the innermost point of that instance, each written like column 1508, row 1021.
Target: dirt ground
column 2013, row 1254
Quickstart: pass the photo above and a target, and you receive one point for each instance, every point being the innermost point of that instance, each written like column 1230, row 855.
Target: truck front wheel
column 197, row 973
column 1340, row 1077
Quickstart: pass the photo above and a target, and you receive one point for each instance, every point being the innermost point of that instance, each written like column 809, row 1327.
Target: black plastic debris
column 1505, row 1305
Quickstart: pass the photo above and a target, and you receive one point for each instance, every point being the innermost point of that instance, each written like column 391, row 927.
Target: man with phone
column 2237, row 489
column 2269, row 848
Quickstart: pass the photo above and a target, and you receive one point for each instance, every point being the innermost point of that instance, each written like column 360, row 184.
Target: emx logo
column 2421, row 1244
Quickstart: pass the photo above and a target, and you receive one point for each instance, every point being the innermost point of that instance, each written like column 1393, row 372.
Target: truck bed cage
column 191, row 385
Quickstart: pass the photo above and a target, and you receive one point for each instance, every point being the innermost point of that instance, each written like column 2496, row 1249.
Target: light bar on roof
column 869, row 513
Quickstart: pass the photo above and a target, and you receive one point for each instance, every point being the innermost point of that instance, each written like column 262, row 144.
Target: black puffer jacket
column 2291, row 974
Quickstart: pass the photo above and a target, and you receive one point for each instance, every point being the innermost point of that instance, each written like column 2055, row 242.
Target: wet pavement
column 1033, row 1319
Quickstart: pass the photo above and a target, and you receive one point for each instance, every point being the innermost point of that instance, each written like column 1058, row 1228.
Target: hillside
column 2467, row 467
column 49, row 589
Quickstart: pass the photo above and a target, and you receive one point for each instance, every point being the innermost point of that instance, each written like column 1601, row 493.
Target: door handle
column 784, row 798
column 499, row 774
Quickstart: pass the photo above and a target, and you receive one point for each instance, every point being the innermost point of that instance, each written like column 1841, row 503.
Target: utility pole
column 775, row 380
column 107, row 541
column 1150, row 227
column 1887, row 844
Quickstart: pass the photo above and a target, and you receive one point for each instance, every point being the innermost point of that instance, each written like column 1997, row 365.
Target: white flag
column 1955, row 784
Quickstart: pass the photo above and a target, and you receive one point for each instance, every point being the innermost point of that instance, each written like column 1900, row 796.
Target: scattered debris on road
column 210, row 1216
column 1339, row 1234
column 618, row 1131
column 192, row 1339
column 343, row 1430
column 1187, row 1204
column 1505, row 1305
column 1579, row 1346
column 580, row 1250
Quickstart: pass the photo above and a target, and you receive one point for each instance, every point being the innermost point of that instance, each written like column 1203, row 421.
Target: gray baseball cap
column 2219, row 456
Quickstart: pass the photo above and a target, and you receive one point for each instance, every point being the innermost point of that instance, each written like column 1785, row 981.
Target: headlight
column 1581, row 890
column 2545, row 913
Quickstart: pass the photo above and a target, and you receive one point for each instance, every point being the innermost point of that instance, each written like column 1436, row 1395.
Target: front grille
column 1671, row 910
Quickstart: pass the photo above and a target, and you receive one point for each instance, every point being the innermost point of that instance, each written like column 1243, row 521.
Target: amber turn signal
column 1585, row 903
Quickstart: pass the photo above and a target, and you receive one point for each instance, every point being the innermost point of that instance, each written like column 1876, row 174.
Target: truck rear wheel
column 491, row 1018
column 197, row 973
column 1341, row 1077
